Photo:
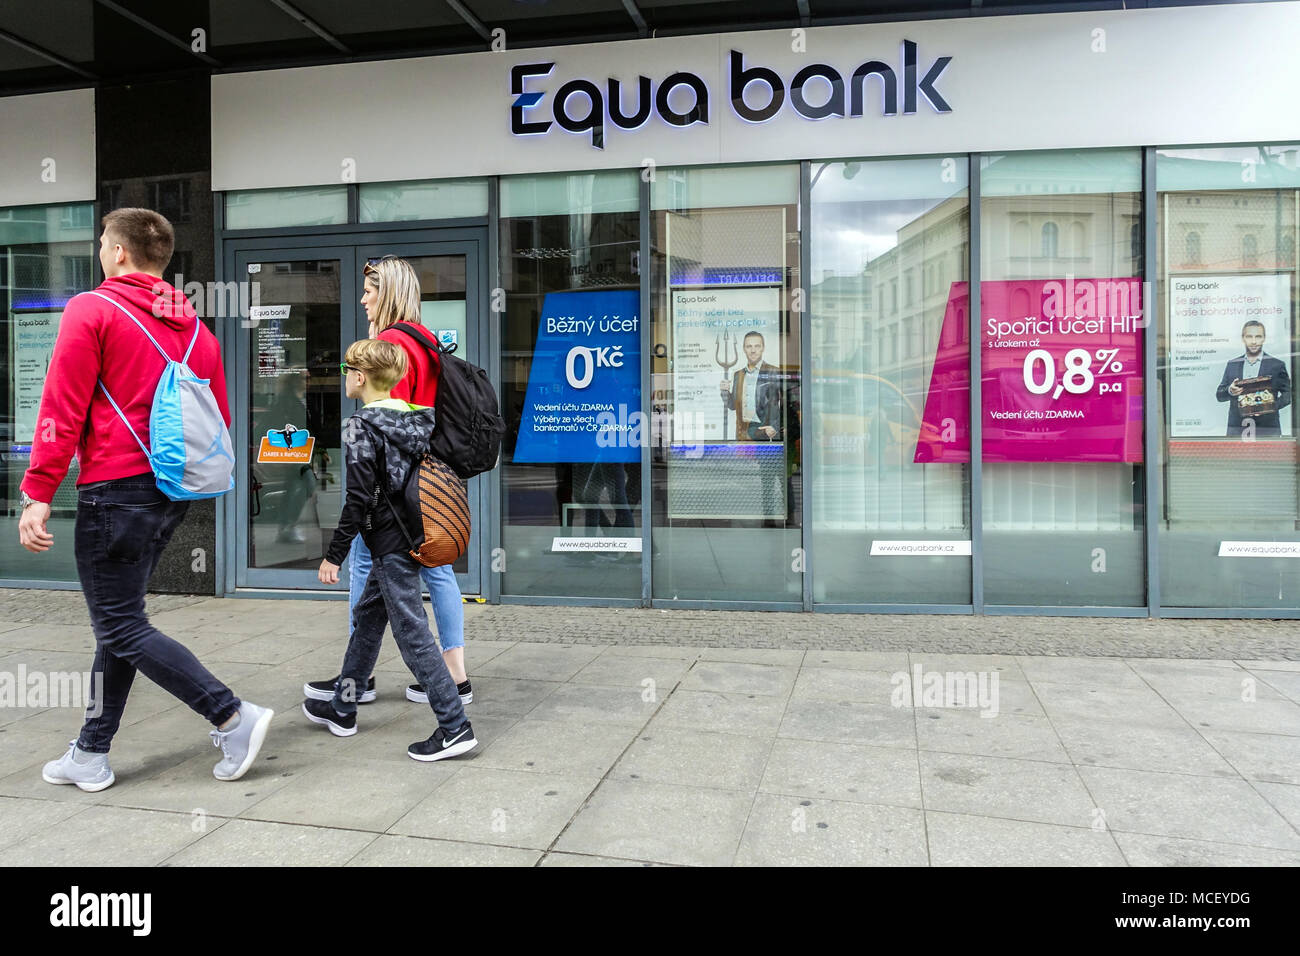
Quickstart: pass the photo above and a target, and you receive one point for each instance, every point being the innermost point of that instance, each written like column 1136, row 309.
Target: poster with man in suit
column 1229, row 356
column 1255, row 385
column 756, row 394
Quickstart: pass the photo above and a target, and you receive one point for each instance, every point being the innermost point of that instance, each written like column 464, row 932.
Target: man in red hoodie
column 123, row 521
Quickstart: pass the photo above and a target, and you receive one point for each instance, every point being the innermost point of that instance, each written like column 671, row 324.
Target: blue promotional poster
column 583, row 402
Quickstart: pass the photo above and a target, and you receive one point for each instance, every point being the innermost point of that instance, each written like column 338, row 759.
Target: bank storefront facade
column 994, row 315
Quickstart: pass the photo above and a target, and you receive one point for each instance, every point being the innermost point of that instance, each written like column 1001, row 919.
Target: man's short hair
column 1254, row 322
column 756, row 335
column 383, row 362
column 147, row 236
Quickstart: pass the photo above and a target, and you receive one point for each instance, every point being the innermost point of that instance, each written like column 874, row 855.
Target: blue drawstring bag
column 191, row 454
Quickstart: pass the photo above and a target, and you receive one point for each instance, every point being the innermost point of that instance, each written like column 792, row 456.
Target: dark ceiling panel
column 350, row 18
column 241, row 23
column 399, row 26
column 258, row 34
column 61, row 26
column 125, row 47
column 15, row 58
column 895, row 9
column 711, row 17
column 502, row 12
column 176, row 18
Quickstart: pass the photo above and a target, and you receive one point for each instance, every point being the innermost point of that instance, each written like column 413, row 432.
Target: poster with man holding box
column 1229, row 345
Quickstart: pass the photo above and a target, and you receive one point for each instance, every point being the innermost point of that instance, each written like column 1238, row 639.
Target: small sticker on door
column 288, row 445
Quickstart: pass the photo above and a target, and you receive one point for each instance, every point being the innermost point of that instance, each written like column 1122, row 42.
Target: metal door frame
column 240, row 384
column 351, row 249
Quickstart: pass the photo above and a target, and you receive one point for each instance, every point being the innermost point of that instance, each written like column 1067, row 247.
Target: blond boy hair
column 383, row 363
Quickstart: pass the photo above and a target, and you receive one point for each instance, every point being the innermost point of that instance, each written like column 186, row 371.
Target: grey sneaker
column 240, row 746
column 92, row 776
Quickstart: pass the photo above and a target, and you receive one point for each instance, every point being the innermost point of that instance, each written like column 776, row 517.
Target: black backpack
column 468, row 425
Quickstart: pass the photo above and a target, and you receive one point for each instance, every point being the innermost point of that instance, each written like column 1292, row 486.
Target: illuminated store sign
column 817, row 91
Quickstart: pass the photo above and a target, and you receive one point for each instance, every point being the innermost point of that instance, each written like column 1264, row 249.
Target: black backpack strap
column 431, row 343
column 382, row 461
column 428, row 341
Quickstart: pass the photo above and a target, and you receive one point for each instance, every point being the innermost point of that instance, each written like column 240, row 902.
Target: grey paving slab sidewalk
column 647, row 737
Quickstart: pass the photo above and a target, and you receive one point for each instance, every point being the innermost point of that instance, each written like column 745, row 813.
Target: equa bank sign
column 755, row 93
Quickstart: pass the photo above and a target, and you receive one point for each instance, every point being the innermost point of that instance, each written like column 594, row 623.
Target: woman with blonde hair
column 391, row 298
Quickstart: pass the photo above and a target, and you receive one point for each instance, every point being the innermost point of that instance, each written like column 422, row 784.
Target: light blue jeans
column 448, row 609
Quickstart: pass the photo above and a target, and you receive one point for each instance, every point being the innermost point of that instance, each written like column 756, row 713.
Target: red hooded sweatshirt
column 97, row 341
column 420, row 386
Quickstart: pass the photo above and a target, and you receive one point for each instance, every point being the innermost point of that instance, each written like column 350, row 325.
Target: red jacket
column 420, row 386
column 97, row 341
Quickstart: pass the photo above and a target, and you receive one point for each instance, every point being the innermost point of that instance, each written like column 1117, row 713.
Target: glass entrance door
column 288, row 398
column 288, row 422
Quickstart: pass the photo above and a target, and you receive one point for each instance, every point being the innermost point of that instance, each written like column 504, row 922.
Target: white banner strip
column 596, row 544
column 1259, row 549
column 912, row 549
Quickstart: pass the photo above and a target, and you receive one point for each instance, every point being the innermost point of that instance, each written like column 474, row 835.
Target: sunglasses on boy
column 344, row 368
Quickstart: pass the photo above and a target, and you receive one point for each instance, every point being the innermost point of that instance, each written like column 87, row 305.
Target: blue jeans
column 392, row 596
column 122, row 528
column 448, row 609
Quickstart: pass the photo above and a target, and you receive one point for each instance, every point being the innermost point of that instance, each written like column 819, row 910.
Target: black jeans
column 394, row 595
column 122, row 528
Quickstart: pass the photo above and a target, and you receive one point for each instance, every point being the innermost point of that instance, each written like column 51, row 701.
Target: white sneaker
column 240, row 746
column 92, row 775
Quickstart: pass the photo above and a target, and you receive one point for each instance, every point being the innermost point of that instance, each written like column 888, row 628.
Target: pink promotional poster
column 1062, row 373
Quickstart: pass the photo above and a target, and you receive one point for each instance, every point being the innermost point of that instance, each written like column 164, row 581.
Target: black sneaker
column 324, row 690
column 323, row 712
column 442, row 744
column 414, row 692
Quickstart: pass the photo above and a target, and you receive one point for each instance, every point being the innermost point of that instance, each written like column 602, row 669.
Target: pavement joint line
column 1109, row 828
column 767, row 758
column 1113, row 830
column 1239, row 775
column 1272, row 806
column 1099, row 766
column 1097, row 804
column 602, row 856
column 691, row 637
column 920, row 777
column 1200, row 731
column 1294, row 825
column 1231, row 763
column 587, row 799
column 1270, row 685
column 1092, row 797
column 378, row 837
column 462, row 842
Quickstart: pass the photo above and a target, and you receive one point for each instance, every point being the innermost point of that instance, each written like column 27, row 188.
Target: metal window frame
column 492, row 355
column 976, row 413
column 807, row 384
column 809, row 462
column 96, row 273
column 1153, row 507
column 648, row 431
column 491, row 344
column 1153, row 221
